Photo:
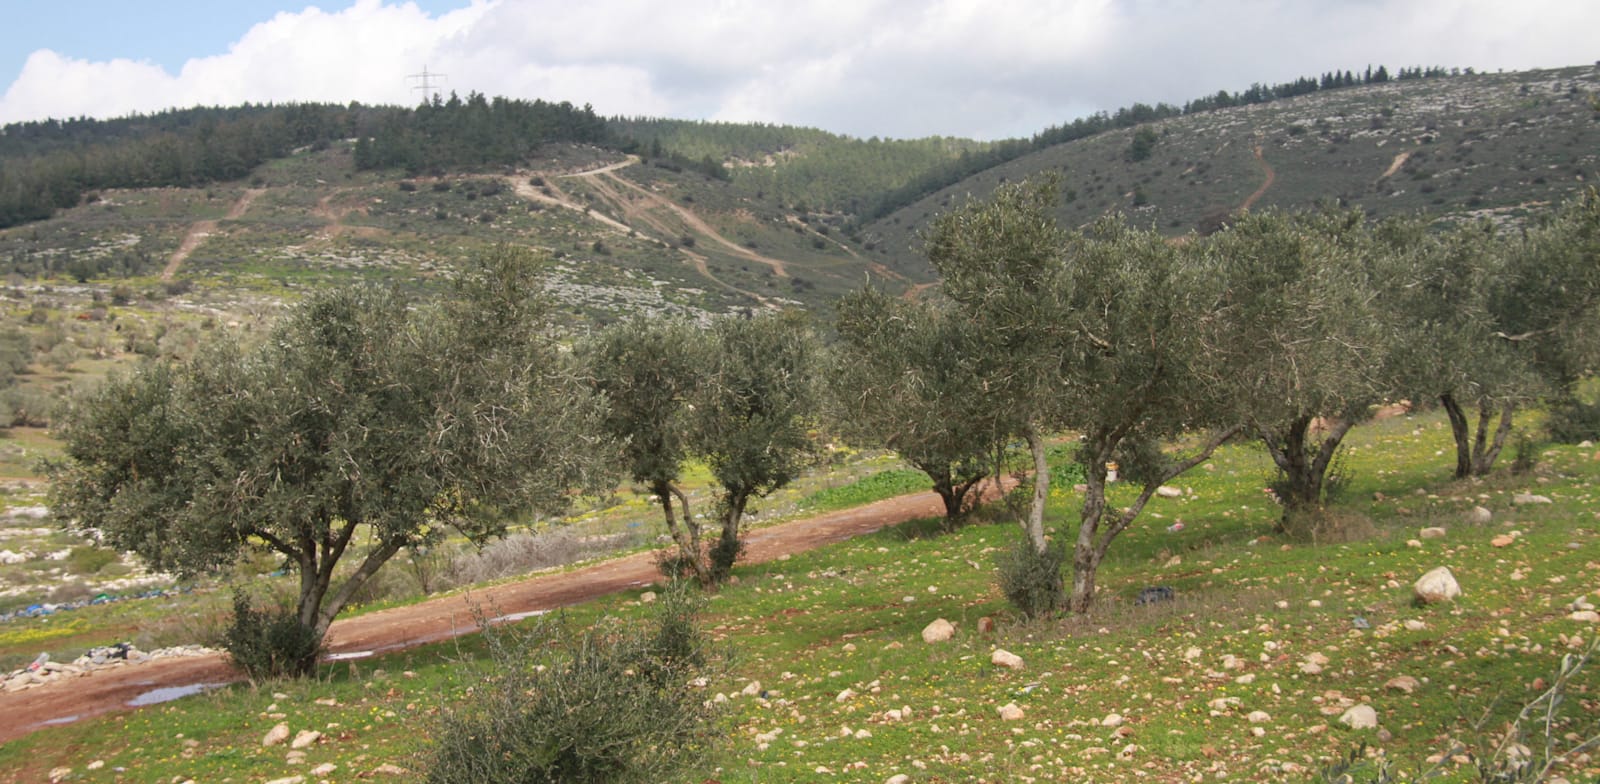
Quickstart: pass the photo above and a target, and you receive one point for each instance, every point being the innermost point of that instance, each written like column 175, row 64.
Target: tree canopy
column 364, row 424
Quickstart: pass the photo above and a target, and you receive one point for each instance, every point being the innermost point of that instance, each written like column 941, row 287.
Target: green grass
column 874, row 487
column 848, row 616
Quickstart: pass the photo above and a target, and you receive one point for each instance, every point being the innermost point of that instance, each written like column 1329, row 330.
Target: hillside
column 698, row 218
column 1496, row 146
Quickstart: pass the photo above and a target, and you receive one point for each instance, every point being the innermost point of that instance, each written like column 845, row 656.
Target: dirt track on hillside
column 200, row 230
column 109, row 691
column 1271, row 177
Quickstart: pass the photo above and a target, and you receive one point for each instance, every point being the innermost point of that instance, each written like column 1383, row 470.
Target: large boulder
column 938, row 631
column 1436, row 586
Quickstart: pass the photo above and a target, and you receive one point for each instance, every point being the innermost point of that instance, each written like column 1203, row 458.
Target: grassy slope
column 848, row 616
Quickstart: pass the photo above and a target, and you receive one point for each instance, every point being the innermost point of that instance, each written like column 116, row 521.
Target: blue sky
column 165, row 32
column 974, row 68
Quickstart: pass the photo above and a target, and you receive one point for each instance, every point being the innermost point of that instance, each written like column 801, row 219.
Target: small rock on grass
column 1523, row 499
column 1433, row 532
column 1585, row 616
column 305, row 738
column 1404, row 683
column 938, row 631
column 898, row 778
column 1004, row 658
column 324, row 769
column 276, row 735
column 1010, row 712
column 1479, row 515
column 1360, row 717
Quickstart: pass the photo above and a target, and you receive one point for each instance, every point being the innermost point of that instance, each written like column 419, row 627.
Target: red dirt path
column 110, row 691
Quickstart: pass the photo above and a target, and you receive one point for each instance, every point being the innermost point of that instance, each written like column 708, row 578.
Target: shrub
column 1573, row 420
column 88, row 559
column 270, row 642
column 613, row 704
column 1031, row 580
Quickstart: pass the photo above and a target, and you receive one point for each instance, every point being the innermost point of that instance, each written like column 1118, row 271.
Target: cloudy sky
column 898, row 68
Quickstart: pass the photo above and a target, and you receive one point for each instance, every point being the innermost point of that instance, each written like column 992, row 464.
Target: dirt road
column 1271, row 176
column 110, row 691
column 200, row 230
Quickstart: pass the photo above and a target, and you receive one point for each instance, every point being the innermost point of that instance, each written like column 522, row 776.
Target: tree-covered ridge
column 50, row 165
column 477, row 131
column 798, row 166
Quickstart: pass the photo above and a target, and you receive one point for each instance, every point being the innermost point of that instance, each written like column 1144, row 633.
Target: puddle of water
column 62, row 720
column 170, row 693
column 333, row 657
column 514, row 617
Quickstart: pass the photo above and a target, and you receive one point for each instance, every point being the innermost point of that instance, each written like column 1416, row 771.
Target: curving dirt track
column 1271, row 175
column 200, row 230
column 110, row 691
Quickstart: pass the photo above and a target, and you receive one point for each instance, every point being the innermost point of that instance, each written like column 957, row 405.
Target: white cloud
column 982, row 68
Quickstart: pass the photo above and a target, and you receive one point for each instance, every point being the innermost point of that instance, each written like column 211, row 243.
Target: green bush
column 613, row 704
column 271, row 642
column 88, row 559
column 1573, row 420
column 1031, row 581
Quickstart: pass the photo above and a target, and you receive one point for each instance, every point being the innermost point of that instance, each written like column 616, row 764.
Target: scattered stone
column 938, row 631
column 1479, row 515
column 1438, row 585
column 845, row 696
column 1503, row 540
column 1004, row 658
column 96, row 765
column 390, row 769
column 1010, row 712
column 1523, row 499
column 1258, row 717
column 324, row 769
column 898, row 778
column 751, row 689
column 1585, row 616
column 328, row 702
column 1415, row 625
column 647, row 597
column 986, row 625
column 57, row 774
column 1360, row 717
column 1192, row 653
column 1112, row 720
column 289, row 780
column 1404, row 683
column 1169, row 492
column 276, row 735
column 305, row 738
column 1434, row 532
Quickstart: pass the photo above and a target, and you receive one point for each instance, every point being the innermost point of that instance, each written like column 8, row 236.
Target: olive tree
column 1448, row 348
column 753, row 416
column 1000, row 263
column 1304, row 340
column 362, row 425
column 911, row 377
column 1551, row 308
column 1101, row 332
column 649, row 371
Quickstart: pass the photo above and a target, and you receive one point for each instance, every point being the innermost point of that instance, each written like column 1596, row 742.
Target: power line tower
column 427, row 82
